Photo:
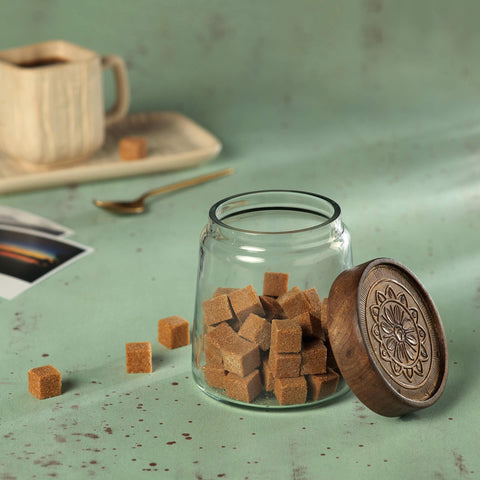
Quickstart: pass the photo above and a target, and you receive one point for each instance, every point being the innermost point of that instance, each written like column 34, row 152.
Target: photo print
column 13, row 217
column 27, row 257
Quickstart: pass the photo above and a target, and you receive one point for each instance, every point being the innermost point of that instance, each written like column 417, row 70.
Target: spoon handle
column 187, row 183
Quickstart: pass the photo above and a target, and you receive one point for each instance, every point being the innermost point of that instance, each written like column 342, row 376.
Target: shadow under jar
column 267, row 262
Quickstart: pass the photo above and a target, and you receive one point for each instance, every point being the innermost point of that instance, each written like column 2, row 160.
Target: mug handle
column 120, row 109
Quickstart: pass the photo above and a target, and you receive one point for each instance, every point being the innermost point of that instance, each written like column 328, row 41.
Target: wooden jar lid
column 387, row 337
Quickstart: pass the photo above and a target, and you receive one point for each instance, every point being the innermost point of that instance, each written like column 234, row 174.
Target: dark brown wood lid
column 387, row 337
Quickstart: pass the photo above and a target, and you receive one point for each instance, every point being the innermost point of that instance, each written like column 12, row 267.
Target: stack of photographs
column 31, row 249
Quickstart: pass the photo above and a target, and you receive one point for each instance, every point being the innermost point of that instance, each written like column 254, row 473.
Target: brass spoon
column 138, row 205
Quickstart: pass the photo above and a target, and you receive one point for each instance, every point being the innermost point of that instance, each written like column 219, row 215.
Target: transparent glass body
column 285, row 231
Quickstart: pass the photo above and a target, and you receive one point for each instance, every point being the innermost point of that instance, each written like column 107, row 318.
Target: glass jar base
column 267, row 400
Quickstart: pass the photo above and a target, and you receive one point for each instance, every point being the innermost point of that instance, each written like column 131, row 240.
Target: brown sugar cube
column 291, row 391
column 267, row 376
column 294, row 302
column 245, row 301
column 306, row 321
column 214, row 375
column 271, row 307
column 313, row 299
column 139, row 357
column 245, row 389
column 322, row 386
column 221, row 334
column 275, row 284
column 239, row 355
column 44, row 382
column 235, row 323
column 213, row 355
column 317, row 328
column 216, row 310
column 286, row 336
column 314, row 357
column 210, row 328
column 132, row 148
column 173, row 332
column 223, row 291
column 324, row 310
column 257, row 330
column 284, row 365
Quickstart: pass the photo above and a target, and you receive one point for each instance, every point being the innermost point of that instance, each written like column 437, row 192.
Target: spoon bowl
column 138, row 205
column 133, row 206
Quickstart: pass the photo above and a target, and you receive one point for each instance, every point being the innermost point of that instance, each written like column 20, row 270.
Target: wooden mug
column 51, row 102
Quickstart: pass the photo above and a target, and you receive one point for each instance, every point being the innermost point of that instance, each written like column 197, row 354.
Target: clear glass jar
column 281, row 231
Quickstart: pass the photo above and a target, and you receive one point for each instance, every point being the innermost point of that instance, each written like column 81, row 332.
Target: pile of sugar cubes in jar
column 269, row 348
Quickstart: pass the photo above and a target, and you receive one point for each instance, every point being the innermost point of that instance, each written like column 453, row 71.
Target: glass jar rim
column 327, row 220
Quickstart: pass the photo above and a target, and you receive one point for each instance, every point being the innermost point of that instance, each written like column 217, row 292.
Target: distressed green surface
column 373, row 103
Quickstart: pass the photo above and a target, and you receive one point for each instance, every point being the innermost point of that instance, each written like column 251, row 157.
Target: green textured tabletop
column 373, row 103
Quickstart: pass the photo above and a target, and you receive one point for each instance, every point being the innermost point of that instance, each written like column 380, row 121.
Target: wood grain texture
column 387, row 337
column 53, row 113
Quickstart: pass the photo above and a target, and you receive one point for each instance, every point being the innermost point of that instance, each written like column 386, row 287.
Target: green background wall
column 306, row 63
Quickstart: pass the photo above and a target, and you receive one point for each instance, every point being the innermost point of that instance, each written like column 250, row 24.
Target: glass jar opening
column 275, row 212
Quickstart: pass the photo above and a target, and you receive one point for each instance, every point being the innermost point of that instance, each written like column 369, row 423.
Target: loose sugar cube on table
column 173, row 332
column 139, row 357
column 44, row 382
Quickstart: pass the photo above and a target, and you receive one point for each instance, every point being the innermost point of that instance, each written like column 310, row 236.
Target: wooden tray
column 174, row 142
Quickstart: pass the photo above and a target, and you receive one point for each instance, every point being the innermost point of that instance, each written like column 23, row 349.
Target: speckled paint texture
column 373, row 103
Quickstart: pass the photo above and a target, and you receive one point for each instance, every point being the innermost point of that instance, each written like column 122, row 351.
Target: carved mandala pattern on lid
column 400, row 337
